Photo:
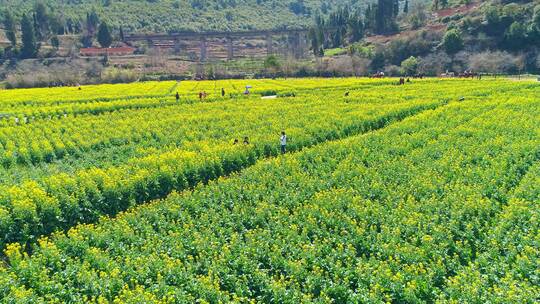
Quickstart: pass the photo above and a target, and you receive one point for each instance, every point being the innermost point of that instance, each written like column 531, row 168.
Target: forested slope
column 173, row 15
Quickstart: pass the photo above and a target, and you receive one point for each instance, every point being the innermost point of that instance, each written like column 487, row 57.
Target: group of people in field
column 282, row 142
column 464, row 74
column 202, row 95
column 379, row 74
column 402, row 80
column 283, row 137
column 245, row 143
column 470, row 74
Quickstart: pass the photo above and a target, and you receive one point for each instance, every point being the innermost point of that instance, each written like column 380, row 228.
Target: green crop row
column 507, row 270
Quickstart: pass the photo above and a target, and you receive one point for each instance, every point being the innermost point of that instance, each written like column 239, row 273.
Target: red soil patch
column 432, row 26
column 435, row 27
column 457, row 10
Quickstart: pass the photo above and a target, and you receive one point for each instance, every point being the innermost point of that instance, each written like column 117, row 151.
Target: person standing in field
column 222, row 92
column 177, row 97
column 283, row 142
column 246, row 141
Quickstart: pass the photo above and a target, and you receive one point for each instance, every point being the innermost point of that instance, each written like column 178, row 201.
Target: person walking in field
column 222, row 92
column 235, row 142
column 283, row 142
column 177, row 97
column 246, row 141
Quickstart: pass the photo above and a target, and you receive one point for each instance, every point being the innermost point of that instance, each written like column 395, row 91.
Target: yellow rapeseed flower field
column 422, row 193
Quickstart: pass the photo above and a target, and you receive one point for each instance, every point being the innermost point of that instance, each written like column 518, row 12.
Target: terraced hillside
column 426, row 192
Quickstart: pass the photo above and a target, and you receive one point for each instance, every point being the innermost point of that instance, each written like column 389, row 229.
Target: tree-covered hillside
column 193, row 15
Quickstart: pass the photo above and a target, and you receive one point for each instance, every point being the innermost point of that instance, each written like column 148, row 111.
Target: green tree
column 355, row 28
column 378, row 61
column 298, row 7
column 92, row 21
column 494, row 24
column 10, row 28
column 337, row 39
column 381, row 13
column 271, row 63
column 316, row 44
column 104, row 36
column 418, row 17
column 87, row 40
column 536, row 18
column 492, row 16
column 516, row 36
column 122, row 37
column 55, row 42
column 440, row 4
column 41, row 20
column 443, row 3
column 409, row 66
column 29, row 45
column 369, row 18
column 533, row 33
column 385, row 20
column 406, row 7
column 57, row 24
column 452, row 42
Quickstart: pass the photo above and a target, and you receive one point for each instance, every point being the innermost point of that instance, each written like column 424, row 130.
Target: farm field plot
column 20, row 106
column 46, row 96
column 400, row 194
